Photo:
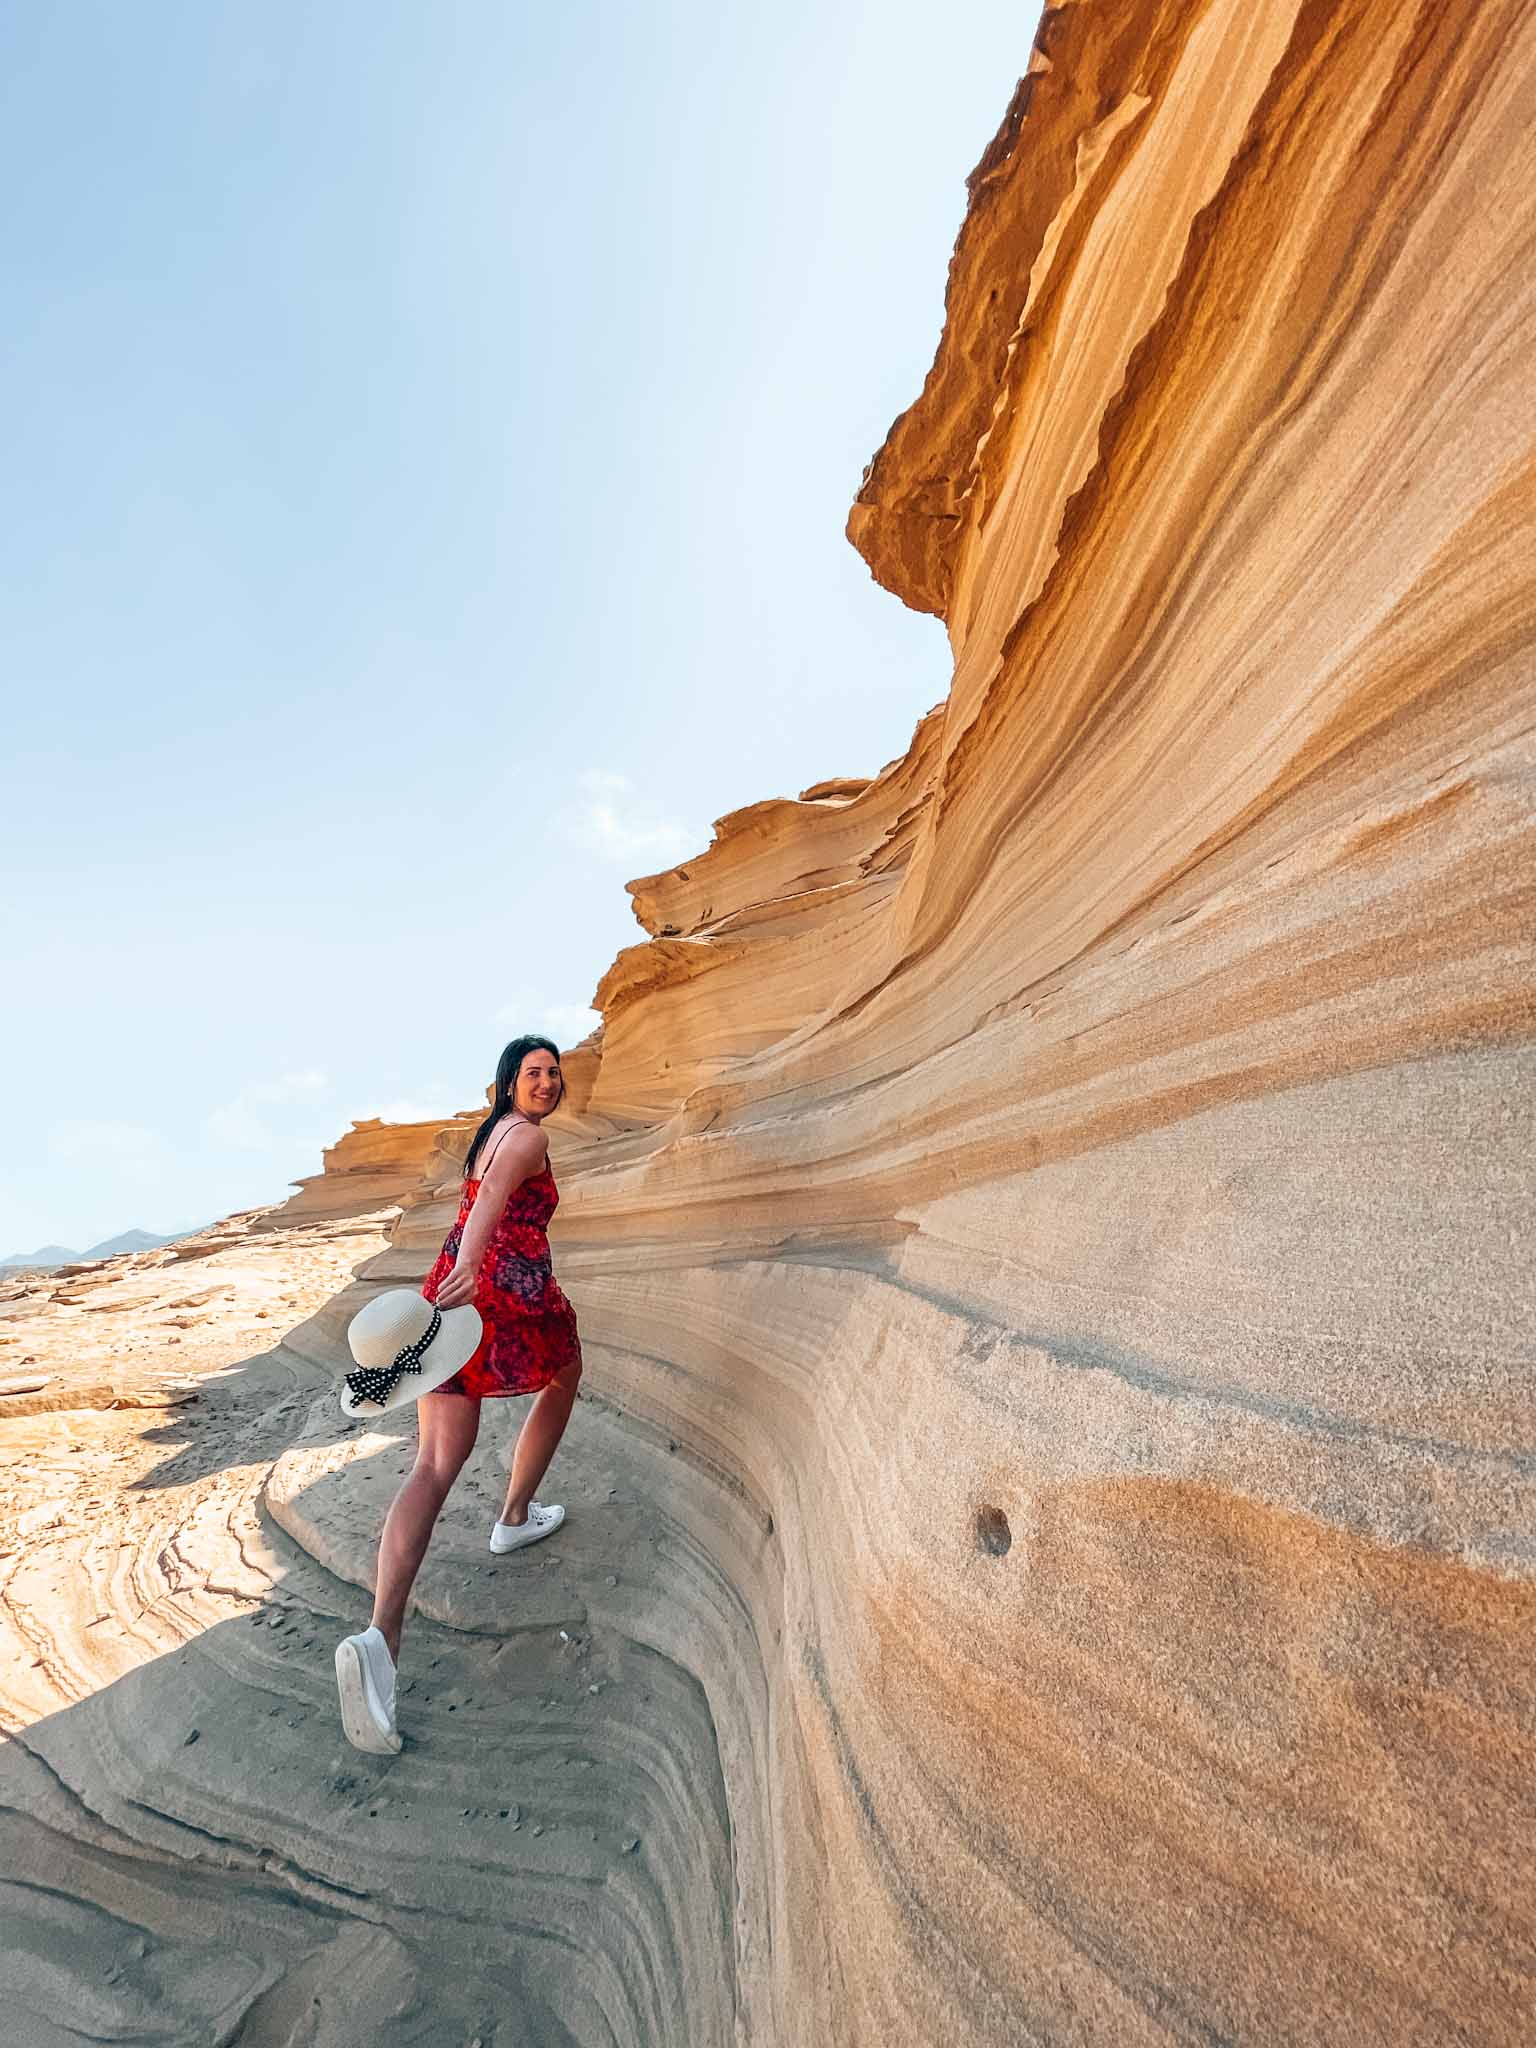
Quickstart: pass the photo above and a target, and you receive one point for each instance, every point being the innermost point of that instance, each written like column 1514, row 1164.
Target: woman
column 497, row 1257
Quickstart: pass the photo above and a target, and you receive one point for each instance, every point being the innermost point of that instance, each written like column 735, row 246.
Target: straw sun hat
column 404, row 1346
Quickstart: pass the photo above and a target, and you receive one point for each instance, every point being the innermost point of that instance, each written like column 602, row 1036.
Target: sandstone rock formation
column 1051, row 1225
column 1084, row 1244
column 366, row 1170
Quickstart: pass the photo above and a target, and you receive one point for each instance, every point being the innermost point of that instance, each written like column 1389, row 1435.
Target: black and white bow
column 377, row 1382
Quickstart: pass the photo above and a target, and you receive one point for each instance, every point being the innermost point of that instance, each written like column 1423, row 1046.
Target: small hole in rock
column 993, row 1535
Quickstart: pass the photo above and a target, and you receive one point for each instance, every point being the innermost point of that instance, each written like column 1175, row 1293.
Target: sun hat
column 405, row 1346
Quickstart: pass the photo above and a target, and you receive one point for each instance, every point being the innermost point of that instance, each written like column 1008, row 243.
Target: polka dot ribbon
column 377, row 1382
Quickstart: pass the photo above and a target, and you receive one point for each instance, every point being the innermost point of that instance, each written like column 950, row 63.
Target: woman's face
column 538, row 1083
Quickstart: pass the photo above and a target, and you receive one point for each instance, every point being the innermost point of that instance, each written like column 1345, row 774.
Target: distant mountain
column 132, row 1241
column 128, row 1241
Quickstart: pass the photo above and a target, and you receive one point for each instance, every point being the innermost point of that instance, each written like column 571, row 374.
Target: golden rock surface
column 1087, row 1203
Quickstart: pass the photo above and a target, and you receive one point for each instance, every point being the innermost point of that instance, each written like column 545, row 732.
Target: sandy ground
column 192, row 1851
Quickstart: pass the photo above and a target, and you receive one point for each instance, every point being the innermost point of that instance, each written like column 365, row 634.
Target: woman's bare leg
column 447, row 1425
column 543, row 1427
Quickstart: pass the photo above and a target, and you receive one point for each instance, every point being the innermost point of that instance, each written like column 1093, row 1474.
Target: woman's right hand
column 457, row 1289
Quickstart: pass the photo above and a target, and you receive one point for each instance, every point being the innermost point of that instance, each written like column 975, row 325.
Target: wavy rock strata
column 1087, row 1204
column 1053, row 1518
column 189, row 1850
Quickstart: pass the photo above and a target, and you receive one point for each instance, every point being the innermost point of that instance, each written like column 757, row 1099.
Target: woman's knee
column 436, row 1474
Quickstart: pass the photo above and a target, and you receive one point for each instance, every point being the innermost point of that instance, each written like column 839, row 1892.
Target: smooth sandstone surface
column 1052, row 1503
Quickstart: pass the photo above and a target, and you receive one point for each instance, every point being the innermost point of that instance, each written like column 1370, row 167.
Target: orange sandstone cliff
column 1061, row 1211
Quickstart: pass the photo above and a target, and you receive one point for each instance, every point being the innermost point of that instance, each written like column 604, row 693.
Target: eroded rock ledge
column 1079, row 1183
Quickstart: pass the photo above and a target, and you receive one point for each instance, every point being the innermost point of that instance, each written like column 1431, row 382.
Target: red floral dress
column 530, row 1327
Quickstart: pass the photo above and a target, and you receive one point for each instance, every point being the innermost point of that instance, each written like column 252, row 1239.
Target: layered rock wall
column 1065, row 1205
column 1077, row 1186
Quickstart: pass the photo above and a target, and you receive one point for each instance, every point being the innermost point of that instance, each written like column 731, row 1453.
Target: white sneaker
column 542, row 1521
column 365, row 1679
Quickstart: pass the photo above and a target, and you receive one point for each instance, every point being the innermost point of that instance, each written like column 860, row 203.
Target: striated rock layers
column 1065, row 1204
column 1069, row 1199
column 1053, row 1550
column 374, row 1165
column 190, row 1852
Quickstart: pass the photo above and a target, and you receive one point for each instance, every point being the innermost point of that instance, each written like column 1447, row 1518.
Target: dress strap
column 497, row 1147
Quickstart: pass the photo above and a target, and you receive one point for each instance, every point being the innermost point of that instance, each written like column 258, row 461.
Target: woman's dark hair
column 508, row 1067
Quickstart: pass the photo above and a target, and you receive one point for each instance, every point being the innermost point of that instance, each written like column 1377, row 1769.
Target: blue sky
column 430, row 430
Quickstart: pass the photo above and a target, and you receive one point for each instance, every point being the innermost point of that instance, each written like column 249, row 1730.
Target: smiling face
column 537, row 1088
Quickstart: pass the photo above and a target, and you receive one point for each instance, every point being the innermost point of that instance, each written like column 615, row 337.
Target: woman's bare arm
column 518, row 1155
